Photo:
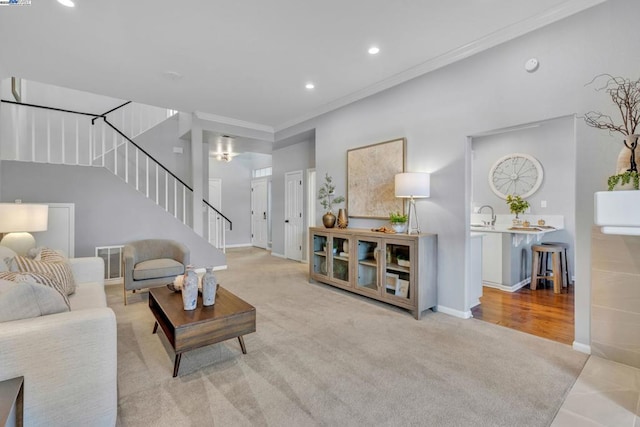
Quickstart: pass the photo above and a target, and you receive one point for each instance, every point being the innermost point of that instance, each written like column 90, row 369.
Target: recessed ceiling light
column 373, row 50
column 67, row 3
column 310, row 86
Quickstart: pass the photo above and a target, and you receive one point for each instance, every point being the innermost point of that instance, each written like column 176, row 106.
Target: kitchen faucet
column 493, row 215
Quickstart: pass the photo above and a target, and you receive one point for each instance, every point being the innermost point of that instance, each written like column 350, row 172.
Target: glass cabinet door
column 397, row 272
column 367, row 251
column 340, row 258
column 320, row 259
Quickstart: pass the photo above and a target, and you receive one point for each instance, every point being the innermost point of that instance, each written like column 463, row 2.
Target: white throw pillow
column 27, row 300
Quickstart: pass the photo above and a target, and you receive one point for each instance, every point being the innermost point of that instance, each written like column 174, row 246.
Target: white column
column 197, row 172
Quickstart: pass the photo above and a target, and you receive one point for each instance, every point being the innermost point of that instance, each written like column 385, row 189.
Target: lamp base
column 20, row 243
column 413, row 217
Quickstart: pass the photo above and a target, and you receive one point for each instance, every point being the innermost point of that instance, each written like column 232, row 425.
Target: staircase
column 42, row 134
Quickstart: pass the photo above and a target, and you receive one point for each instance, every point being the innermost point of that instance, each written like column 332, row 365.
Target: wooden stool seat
column 563, row 259
column 537, row 251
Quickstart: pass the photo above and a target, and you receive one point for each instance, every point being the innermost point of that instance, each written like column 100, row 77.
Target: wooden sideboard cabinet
column 399, row 269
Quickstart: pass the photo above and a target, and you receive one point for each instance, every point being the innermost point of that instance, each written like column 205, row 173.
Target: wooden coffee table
column 229, row 317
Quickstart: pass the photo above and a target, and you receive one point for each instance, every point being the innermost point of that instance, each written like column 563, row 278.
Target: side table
column 12, row 402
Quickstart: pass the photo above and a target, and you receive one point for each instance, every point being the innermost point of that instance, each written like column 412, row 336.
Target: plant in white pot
column 327, row 198
column 398, row 221
column 625, row 94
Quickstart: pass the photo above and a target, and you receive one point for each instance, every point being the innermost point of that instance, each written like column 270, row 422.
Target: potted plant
column 327, row 198
column 517, row 205
column 625, row 94
column 398, row 221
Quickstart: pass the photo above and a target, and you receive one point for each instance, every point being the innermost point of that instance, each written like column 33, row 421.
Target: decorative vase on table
column 329, row 220
column 209, row 285
column 399, row 227
column 627, row 157
column 190, row 290
column 343, row 220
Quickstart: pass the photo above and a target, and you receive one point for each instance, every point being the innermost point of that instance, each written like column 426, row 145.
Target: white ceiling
column 250, row 59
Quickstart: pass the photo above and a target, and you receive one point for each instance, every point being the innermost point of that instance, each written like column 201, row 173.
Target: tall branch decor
column 625, row 94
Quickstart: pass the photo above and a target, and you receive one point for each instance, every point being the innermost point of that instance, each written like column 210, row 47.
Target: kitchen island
column 506, row 250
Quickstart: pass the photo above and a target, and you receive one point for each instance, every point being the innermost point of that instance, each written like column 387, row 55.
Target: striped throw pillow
column 38, row 278
column 61, row 271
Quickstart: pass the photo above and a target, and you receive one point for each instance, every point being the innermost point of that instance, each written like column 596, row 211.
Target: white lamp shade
column 413, row 184
column 20, row 217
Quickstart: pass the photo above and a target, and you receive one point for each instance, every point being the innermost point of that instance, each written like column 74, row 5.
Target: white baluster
column 91, row 139
column 77, row 141
column 137, row 170
column 175, row 198
column 63, row 140
column 115, row 153
column 166, row 191
column 157, row 189
column 48, row 137
column 104, row 146
column 33, row 136
column 126, row 161
column 146, row 172
column 184, row 204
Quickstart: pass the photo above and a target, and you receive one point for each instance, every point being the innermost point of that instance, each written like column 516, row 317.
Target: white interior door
column 216, row 222
column 259, row 213
column 293, row 220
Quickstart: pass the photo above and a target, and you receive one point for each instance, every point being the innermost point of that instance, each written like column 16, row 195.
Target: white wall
column 491, row 90
column 300, row 156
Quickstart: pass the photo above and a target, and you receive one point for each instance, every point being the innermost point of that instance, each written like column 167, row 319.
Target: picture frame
column 391, row 281
column 402, row 288
column 371, row 172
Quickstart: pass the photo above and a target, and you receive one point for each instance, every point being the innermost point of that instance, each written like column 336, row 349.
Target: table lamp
column 18, row 220
column 413, row 185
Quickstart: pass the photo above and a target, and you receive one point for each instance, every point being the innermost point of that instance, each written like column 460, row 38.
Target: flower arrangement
column 326, row 194
column 517, row 204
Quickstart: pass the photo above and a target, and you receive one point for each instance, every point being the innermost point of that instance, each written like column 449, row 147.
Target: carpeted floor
column 322, row 356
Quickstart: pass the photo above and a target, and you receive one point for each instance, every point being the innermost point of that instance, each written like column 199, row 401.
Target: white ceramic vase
column 209, row 286
column 190, row 290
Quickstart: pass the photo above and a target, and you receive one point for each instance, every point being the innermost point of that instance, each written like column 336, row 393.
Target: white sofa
column 68, row 360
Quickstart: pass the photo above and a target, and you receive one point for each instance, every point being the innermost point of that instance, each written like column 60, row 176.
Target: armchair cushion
column 156, row 268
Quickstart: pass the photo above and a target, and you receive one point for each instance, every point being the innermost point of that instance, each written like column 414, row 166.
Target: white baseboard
column 275, row 254
column 582, row 348
column 505, row 288
column 240, row 245
column 456, row 313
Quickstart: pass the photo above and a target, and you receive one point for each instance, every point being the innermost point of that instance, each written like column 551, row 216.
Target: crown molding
column 233, row 122
column 491, row 40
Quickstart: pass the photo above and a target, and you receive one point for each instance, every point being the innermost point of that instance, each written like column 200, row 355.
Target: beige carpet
column 322, row 356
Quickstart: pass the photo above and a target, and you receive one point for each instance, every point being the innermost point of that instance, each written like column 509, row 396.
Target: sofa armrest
column 69, row 362
column 88, row 269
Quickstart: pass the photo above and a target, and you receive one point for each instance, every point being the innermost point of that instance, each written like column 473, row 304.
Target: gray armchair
column 152, row 262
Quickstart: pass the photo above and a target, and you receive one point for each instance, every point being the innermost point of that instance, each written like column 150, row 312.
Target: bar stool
column 537, row 253
column 563, row 260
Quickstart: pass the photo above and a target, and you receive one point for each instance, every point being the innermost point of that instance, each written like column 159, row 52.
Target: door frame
column 267, row 210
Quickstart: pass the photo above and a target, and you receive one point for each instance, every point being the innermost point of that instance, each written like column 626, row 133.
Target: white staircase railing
column 40, row 134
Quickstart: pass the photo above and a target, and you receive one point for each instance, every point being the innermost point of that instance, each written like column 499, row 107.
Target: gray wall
column 108, row 211
column 159, row 142
column 553, row 143
column 300, row 156
column 236, row 178
column 491, row 90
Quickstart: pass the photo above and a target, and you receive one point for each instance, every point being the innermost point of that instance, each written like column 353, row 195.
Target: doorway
column 259, row 213
column 293, row 215
column 506, row 298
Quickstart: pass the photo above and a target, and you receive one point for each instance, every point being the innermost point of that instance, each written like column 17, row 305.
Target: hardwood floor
column 540, row 312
